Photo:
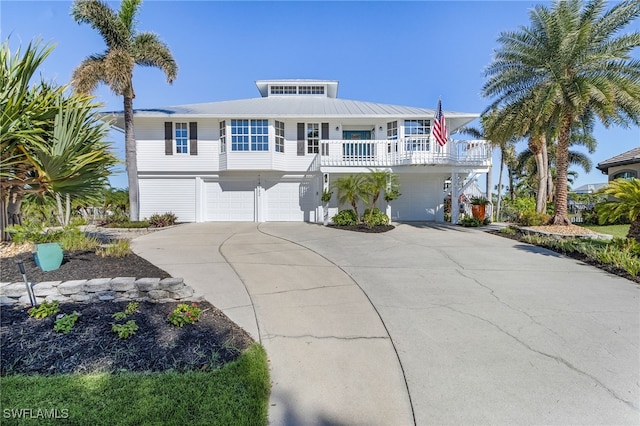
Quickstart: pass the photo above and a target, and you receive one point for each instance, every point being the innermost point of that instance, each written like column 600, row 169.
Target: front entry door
column 356, row 135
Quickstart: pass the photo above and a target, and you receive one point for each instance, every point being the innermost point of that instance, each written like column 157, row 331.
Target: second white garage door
column 285, row 202
column 230, row 201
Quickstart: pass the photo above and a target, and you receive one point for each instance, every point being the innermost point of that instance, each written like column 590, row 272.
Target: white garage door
column 284, row 202
column 419, row 200
column 230, row 201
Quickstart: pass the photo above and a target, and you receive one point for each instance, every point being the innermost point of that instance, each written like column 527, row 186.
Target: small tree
column 626, row 204
column 351, row 189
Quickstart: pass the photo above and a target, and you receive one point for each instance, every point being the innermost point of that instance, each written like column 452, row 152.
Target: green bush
column 46, row 309
column 532, row 218
column 127, row 224
column 33, row 233
column 162, row 220
column 73, row 239
column 65, row 322
column 471, row 222
column 345, row 218
column 375, row 217
column 119, row 248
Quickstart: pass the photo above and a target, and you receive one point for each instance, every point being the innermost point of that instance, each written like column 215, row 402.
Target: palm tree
column 351, row 189
column 114, row 67
column 626, row 205
column 574, row 61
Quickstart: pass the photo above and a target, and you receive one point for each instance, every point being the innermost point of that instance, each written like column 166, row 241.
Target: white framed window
column 311, row 90
column 223, row 136
column 279, row 127
column 249, row 135
column 313, row 138
column 283, row 90
column 416, row 133
column 182, row 138
column 392, row 135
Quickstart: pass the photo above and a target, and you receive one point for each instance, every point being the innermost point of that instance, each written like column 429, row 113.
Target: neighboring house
column 625, row 165
column 270, row 158
column 590, row 188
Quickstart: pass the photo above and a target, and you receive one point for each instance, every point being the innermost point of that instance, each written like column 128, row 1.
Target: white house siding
column 151, row 153
column 163, row 195
column 421, row 200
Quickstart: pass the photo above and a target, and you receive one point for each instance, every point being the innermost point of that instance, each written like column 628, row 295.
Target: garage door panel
column 419, row 200
column 159, row 196
column 284, row 202
column 230, row 201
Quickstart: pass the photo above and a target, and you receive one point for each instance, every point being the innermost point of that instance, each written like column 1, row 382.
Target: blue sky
column 404, row 53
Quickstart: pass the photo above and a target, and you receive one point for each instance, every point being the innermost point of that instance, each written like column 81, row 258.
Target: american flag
column 440, row 126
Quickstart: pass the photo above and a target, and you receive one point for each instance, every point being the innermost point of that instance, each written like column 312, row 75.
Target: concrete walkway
column 485, row 329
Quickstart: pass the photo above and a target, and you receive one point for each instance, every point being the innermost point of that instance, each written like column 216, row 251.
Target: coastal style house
column 270, row 158
column 625, row 165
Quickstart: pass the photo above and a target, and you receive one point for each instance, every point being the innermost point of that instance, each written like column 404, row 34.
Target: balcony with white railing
column 408, row 151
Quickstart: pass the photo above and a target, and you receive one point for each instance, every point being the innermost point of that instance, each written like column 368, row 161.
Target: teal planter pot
column 48, row 256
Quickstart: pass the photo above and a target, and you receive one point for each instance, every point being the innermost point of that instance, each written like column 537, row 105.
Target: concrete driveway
column 425, row 324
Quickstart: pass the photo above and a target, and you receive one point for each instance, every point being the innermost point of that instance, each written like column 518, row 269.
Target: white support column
column 199, row 202
column 455, row 194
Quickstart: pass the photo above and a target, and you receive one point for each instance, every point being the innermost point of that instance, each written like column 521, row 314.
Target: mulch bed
column 364, row 228
column 30, row 346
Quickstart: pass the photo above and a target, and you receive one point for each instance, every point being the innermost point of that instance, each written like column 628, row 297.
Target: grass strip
column 618, row 231
column 237, row 394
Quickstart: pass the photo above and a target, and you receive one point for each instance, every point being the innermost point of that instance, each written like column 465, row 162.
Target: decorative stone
column 158, row 294
column 196, row 297
column 58, row 297
column 24, row 300
column 182, row 293
column 97, row 285
column 46, row 288
column 14, row 290
column 167, row 300
column 82, row 297
column 146, row 284
column 123, row 283
column 71, row 287
column 171, row 284
column 105, row 296
column 7, row 301
column 131, row 294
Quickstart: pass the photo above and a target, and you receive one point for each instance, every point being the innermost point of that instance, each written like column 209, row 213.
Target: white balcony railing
column 379, row 153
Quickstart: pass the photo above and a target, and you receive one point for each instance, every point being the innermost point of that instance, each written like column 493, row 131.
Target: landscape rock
column 24, row 300
column 68, row 288
column 14, row 290
column 7, row 301
column 158, row 294
column 123, row 283
column 82, row 297
column 171, row 284
column 182, row 293
column 146, row 284
column 105, row 296
column 97, row 285
column 60, row 298
column 46, row 288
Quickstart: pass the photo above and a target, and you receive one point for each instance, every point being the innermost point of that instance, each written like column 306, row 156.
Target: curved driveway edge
column 493, row 331
column 332, row 361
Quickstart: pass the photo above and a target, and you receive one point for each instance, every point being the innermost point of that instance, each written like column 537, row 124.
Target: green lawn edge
column 618, row 231
column 237, row 394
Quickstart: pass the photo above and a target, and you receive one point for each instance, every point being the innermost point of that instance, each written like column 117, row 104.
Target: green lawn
column 237, row 394
column 619, row 231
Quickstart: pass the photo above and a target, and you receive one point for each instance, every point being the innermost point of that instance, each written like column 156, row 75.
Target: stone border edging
column 119, row 289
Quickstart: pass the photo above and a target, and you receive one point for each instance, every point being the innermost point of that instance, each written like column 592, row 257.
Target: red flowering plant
column 184, row 314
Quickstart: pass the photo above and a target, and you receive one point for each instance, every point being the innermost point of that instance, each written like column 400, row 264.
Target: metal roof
column 312, row 107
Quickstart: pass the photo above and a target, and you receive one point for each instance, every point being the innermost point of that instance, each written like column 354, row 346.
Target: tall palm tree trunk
column 131, row 159
column 537, row 145
column 562, row 164
column 498, row 204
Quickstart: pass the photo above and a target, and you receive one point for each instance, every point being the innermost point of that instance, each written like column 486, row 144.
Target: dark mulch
column 364, row 228
column 30, row 346
column 578, row 256
column 81, row 265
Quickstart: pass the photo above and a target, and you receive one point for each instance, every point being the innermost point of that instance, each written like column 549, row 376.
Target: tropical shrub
column 532, row 218
column 625, row 206
column 470, row 222
column 119, row 248
column 375, row 217
column 345, row 218
column 162, row 220
column 73, row 239
column 33, row 233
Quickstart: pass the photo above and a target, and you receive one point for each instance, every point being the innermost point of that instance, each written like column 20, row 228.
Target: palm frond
column 149, row 51
column 102, row 18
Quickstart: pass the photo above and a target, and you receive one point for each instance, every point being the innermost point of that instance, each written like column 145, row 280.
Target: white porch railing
column 380, row 153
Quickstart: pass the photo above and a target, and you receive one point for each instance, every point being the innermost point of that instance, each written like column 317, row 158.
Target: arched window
column 627, row 174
